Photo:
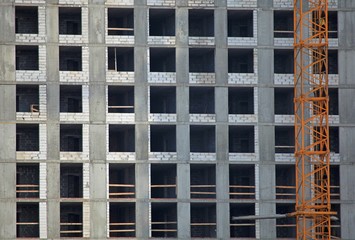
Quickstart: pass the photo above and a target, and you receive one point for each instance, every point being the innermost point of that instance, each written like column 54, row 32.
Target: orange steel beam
column 312, row 154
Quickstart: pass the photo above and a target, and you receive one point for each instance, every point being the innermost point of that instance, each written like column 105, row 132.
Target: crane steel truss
column 313, row 209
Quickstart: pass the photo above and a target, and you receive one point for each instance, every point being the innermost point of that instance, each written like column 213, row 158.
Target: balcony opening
column 241, row 139
column 284, row 139
column 203, row 220
column 201, row 60
column 334, row 139
column 71, row 138
column 162, row 59
column 120, row 59
column 27, row 180
column 26, row 19
column 162, row 138
column 334, row 182
column 285, row 227
column 161, row 22
column 285, row 181
column 70, row 58
column 27, row 57
column 203, row 181
column 240, row 61
column 164, row 220
column 242, row 228
column 27, row 220
column 71, row 220
column 240, row 100
column 333, row 24
column 27, row 137
column 121, row 138
column 283, row 61
column 201, row 100
column 120, row 99
column 27, row 98
column 122, row 219
column 120, row 21
column 284, row 101
column 202, row 138
column 241, row 181
column 283, row 24
column 122, row 181
column 162, row 99
column 333, row 101
column 240, row 23
column 70, row 98
column 163, row 181
column 70, row 20
column 71, row 180
column 201, row 23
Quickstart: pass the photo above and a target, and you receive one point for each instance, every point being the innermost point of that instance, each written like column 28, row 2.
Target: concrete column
column 266, row 118
column 183, row 205
column 346, row 54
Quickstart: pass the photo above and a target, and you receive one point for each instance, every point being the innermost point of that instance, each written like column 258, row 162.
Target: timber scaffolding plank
column 119, row 187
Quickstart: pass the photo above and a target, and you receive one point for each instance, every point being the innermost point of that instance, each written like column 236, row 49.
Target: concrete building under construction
column 161, row 118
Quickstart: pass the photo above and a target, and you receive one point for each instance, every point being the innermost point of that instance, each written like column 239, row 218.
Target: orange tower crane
column 312, row 153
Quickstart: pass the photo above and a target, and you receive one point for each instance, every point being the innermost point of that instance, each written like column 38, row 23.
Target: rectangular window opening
column 240, row 61
column 122, row 219
column 284, row 101
column 27, row 98
column 285, row 181
column 120, row 59
column 26, row 19
column 283, row 24
column 163, row 181
column 27, row 220
column 162, row 22
column 162, row 99
column 162, row 59
column 242, row 228
column 164, row 220
column 284, row 139
column 201, row 60
column 121, row 138
column 203, row 220
column 285, row 227
column 241, row 139
column 71, row 138
column 120, row 21
column 27, row 180
column 71, row 220
column 162, row 138
column 240, row 100
column 241, row 181
column 202, row 100
column 240, row 23
column 203, row 181
column 283, row 61
column 70, row 20
column 201, row 23
column 120, row 99
column 71, row 98
column 71, row 180
column 27, row 57
column 122, row 181
column 27, row 137
column 202, row 138
column 70, row 58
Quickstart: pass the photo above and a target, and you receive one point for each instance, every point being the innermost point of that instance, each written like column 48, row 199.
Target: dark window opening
column 336, row 224
column 27, row 57
column 27, row 220
column 333, row 61
column 71, row 220
column 284, row 139
column 284, row 101
column 333, row 24
column 71, row 137
column 241, row 181
column 71, row 180
column 202, row 138
column 162, row 59
column 242, row 228
column 334, row 182
column 285, row 182
column 120, row 21
column 201, row 23
column 240, row 61
column 283, row 61
column 122, row 219
column 121, row 138
column 70, row 98
column 162, row 22
column 120, row 99
column 283, row 24
column 70, row 20
column 240, row 100
column 162, row 99
column 201, row 60
column 201, row 100
column 70, row 58
column 163, row 181
column 164, row 220
column 285, row 227
column 121, row 59
column 240, row 23
column 27, row 98
column 122, row 181
column 333, row 101
column 27, row 180
column 27, row 137
column 163, row 138
column 334, row 139
column 26, row 19
column 203, row 181
column 203, row 220
column 241, row 139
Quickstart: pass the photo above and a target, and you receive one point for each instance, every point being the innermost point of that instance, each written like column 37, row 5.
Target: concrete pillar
column 346, row 54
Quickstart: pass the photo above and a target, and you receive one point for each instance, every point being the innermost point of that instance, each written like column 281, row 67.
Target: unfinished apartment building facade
column 161, row 118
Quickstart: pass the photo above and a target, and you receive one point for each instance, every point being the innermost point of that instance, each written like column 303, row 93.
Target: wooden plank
column 203, row 224
column 120, row 29
column 121, row 185
column 122, row 194
column 122, row 231
column 27, row 223
column 207, row 193
column 71, row 224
